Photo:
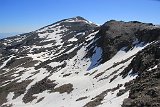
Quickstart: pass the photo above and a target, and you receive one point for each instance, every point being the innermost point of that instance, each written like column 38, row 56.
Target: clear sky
column 29, row 15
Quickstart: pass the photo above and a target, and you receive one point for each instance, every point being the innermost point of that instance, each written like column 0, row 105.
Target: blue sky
column 29, row 15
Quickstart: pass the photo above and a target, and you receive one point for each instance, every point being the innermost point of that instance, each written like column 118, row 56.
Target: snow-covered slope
column 68, row 64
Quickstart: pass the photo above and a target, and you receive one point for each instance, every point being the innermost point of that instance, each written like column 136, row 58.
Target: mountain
column 76, row 63
column 5, row 35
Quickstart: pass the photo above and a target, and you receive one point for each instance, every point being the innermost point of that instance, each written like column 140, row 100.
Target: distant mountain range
column 5, row 35
column 76, row 63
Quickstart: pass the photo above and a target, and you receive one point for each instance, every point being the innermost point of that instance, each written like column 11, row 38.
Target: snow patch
column 72, row 39
column 5, row 62
column 10, row 96
column 96, row 57
column 155, row 67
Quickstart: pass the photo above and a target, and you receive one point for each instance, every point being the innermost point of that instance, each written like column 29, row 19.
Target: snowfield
column 83, row 85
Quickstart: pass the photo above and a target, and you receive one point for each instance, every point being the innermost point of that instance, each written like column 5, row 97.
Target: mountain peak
column 80, row 18
column 74, row 22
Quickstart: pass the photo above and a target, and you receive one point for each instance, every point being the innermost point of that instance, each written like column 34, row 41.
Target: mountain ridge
column 74, row 62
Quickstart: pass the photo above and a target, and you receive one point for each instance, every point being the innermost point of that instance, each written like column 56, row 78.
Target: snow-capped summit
column 75, row 63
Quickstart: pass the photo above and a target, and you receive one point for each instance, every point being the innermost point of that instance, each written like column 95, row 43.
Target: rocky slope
column 75, row 63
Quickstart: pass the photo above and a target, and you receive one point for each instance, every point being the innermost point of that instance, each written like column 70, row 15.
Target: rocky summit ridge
column 76, row 63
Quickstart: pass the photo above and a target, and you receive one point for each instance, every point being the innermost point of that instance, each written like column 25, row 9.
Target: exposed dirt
column 39, row 87
column 64, row 88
